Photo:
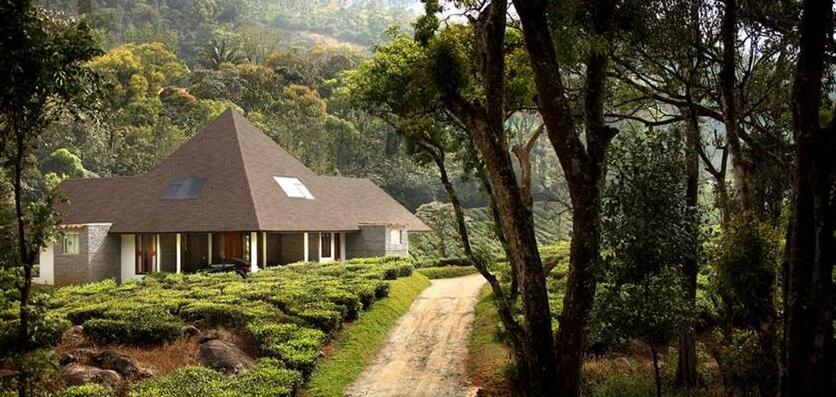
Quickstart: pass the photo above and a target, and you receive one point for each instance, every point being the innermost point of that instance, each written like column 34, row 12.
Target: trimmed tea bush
column 268, row 378
column 288, row 311
column 297, row 346
column 145, row 328
column 184, row 382
column 88, row 390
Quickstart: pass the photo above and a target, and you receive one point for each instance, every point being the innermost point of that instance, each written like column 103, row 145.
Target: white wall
column 46, row 262
column 129, row 258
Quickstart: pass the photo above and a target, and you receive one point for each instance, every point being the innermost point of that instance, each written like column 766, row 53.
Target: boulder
column 224, row 356
column 191, row 330
column 124, row 365
column 75, row 355
column 209, row 335
column 77, row 374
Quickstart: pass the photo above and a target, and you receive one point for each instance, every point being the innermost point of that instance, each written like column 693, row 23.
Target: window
column 70, row 243
column 395, row 236
column 184, row 189
column 293, row 187
column 146, row 253
column 325, row 242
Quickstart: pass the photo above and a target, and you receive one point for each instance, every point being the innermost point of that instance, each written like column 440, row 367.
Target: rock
column 73, row 335
column 76, row 374
column 75, row 355
column 210, row 335
column 190, row 330
column 224, row 356
column 124, row 365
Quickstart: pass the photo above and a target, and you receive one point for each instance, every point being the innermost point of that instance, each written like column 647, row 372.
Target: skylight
column 293, row 187
column 184, row 189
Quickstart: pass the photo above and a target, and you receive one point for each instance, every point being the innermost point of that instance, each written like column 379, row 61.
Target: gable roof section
column 238, row 163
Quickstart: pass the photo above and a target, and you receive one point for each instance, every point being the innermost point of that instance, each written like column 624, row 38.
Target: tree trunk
column 583, row 166
column 728, row 83
column 686, row 368
column 487, row 125
column 26, row 259
column 580, row 290
column 461, row 226
column 657, row 379
column 810, row 299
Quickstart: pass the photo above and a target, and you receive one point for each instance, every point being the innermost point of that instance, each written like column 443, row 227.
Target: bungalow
column 229, row 192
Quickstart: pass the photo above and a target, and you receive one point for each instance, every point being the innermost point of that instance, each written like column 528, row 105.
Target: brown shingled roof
column 239, row 163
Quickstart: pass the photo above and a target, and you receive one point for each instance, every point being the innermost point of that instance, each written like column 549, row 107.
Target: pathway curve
column 426, row 353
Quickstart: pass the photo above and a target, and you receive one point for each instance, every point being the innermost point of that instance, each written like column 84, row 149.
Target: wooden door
column 234, row 245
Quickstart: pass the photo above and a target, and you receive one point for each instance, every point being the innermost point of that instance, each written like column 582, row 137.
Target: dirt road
column 426, row 352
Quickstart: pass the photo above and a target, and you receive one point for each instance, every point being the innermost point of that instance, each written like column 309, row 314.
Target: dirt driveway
column 426, row 352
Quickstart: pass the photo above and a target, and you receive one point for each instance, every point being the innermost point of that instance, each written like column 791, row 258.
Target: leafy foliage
column 746, row 259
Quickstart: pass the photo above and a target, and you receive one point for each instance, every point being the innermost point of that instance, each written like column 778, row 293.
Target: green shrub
column 88, row 390
column 447, row 271
column 622, row 385
column 296, row 346
column 147, row 328
column 213, row 314
column 268, row 378
column 80, row 315
column 183, row 382
column 746, row 365
column 45, row 330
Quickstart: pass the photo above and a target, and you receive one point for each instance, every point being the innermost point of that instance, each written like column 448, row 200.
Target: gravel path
column 426, row 353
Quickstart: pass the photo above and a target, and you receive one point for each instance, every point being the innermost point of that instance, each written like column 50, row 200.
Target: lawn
column 447, row 271
column 287, row 314
column 489, row 358
column 356, row 345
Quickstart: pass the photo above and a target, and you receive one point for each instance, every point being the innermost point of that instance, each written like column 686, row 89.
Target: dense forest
column 647, row 186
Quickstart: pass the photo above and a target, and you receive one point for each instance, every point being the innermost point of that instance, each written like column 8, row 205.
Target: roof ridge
column 235, row 115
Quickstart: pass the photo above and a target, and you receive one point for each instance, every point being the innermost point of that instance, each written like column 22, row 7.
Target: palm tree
column 218, row 52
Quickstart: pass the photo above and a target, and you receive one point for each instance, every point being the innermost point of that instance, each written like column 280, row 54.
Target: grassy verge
column 488, row 358
column 356, row 344
column 447, row 271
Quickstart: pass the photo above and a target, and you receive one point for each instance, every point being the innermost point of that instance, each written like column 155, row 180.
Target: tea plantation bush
column 288, row 312
column 268, row 378
column 88, row 390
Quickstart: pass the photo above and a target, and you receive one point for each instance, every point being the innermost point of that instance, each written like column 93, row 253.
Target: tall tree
column 810, row 295
column 43, row 75
column 583, row 163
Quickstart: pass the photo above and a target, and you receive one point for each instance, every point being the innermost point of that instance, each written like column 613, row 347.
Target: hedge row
column 287, row 311
column 268, row 378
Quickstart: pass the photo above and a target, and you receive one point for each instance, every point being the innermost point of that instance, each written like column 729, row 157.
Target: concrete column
column 254, row 251
column 264, row 248
column 128, row 257
column 179, row 260
column 342, row 246
column 46, row 265
column 209, row 257
column 159, row 252
column 319, row 247
column 333, row 236
column 307, row 257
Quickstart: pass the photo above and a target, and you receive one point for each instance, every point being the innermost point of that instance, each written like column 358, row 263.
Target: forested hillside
column 171, row 66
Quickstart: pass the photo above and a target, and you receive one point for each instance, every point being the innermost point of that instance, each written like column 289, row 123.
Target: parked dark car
column 227, row 265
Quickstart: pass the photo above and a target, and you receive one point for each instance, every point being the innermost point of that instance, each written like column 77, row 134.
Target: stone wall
column 98, row 257
column 394, row 248
column 103, row 252
column 72, row 268
column 375, row 240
